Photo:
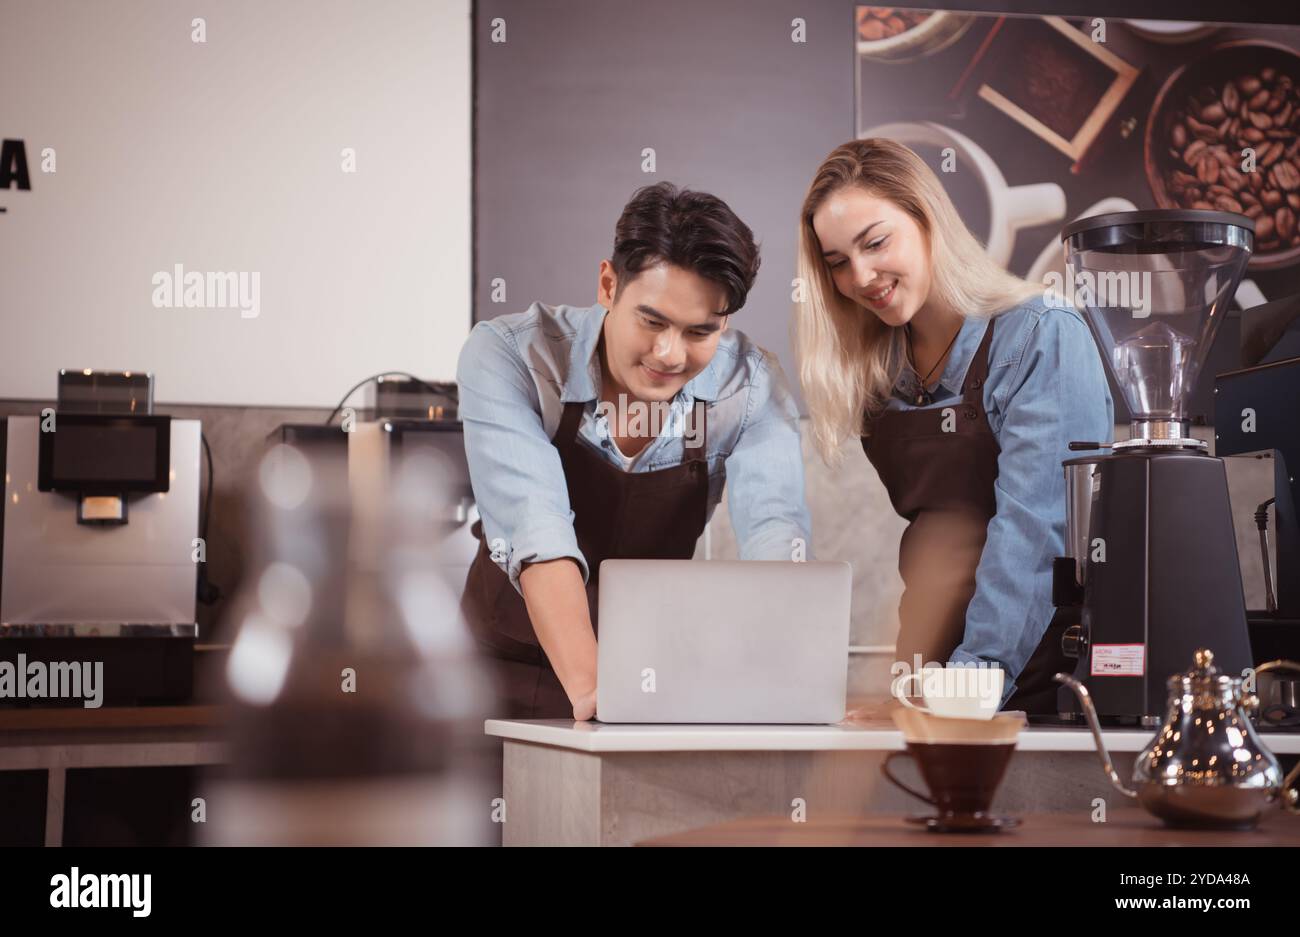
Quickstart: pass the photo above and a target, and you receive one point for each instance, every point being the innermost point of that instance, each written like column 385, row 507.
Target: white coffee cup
column 1011, row 207
column 956, row 691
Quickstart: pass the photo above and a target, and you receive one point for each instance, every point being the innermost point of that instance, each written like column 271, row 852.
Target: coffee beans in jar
column 1209, row 137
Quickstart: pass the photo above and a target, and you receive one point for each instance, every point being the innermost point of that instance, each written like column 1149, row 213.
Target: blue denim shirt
column 1046, row 388
column 517, row 372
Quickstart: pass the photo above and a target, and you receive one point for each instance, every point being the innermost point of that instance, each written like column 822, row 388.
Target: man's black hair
column 692, row 230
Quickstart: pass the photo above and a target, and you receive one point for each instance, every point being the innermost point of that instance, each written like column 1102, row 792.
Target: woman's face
column 877, row 255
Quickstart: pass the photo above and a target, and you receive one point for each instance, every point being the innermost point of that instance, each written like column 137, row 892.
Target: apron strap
column 978, row 371
column 700, row 423
column 567, row 431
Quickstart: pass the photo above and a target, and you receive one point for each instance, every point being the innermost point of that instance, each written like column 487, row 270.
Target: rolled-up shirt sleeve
column 515, row 471
column 765, row 484
column 1058, row 395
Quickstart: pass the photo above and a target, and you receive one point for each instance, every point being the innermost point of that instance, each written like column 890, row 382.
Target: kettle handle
column 1290, row 795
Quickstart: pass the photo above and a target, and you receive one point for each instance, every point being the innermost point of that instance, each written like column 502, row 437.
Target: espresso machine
column 98, row 545
column 1153, row 572
column 1257, row 415
column 404, row 418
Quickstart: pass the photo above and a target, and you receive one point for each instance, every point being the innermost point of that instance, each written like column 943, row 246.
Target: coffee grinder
column 1153, row 573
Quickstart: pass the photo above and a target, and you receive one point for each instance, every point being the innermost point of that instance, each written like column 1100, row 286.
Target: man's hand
column 584, row 707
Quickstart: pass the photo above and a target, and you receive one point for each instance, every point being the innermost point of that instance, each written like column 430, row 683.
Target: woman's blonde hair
column 848, row 359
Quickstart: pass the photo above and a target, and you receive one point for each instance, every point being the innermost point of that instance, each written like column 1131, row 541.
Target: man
column 608, row 433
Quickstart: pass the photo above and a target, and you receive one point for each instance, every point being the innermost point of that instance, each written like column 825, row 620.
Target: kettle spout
column 1090, row 712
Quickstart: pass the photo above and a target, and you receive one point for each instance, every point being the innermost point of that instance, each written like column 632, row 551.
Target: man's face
column 661, row 331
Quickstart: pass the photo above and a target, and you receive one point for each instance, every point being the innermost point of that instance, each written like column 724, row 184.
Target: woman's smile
column 879, row 299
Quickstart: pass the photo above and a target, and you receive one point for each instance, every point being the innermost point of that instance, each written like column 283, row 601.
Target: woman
column 966, row 384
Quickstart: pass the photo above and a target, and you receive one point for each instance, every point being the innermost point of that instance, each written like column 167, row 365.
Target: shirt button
column 970, row 413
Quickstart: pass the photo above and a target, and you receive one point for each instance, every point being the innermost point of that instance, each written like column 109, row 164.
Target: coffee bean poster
column 1039, row 120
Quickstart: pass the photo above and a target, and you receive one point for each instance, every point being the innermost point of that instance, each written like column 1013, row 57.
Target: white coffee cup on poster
column 1010, row 207
column 956, row 691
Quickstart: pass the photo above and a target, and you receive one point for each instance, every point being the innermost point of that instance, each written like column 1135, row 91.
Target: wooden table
column 1128, row 826
column 599, row 784
column 59, row 738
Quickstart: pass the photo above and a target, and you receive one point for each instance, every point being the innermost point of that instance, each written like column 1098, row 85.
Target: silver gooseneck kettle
column 1206, row 767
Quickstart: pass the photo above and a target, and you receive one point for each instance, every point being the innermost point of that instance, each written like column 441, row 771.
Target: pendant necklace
column 923, row 396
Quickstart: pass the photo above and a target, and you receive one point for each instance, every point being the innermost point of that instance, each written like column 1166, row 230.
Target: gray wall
column 729, row 103
column 563, row 109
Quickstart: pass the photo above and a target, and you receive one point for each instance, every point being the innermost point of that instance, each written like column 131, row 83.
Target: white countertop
column 844, row 736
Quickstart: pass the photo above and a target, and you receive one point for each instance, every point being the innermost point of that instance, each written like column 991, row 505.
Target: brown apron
column 942, row 483
column 617, row 515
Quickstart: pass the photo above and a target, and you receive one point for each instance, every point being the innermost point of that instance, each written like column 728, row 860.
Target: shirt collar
column 959, row 361
column 584, row 365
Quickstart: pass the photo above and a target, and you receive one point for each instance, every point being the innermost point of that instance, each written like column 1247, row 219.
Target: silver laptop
column 722, row 641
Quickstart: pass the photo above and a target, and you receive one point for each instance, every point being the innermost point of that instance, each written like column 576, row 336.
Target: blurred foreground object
column 357, row 692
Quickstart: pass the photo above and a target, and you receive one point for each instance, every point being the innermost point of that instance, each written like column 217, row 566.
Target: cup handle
column 884, row 769
column 902, row 693
column 1034, row 204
